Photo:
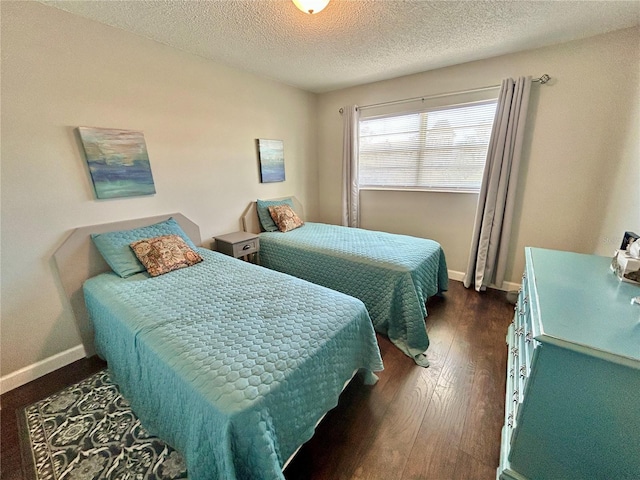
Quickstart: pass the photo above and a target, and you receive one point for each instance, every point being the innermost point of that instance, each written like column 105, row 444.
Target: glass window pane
column 442, row 149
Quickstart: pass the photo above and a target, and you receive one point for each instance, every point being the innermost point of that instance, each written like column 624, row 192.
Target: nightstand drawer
column 239, row 244
column 245, row 248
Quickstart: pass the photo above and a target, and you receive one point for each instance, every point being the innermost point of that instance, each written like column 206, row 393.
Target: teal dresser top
column 583, row 305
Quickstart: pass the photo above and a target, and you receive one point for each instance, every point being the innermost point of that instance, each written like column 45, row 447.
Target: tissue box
column 626, row 267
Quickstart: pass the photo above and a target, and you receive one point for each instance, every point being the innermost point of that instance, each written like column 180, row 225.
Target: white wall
column 200, row 121
column 623, row 206
column 582, row 139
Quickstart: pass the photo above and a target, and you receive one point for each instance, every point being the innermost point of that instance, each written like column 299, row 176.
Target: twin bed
column 392, row 274
column 231, row 363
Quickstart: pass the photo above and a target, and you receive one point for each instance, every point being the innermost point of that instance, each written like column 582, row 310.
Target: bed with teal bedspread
column 230, row 363
column 392, row 274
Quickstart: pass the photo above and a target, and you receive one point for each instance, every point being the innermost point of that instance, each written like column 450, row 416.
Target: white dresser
column 572, row 407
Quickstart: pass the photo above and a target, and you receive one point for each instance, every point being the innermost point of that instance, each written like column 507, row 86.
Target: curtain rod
column 542, row 80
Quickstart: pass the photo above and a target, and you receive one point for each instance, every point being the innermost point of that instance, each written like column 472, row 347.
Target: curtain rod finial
column 544, row 79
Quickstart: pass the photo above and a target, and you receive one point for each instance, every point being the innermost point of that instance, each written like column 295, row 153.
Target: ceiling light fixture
column 311, row 6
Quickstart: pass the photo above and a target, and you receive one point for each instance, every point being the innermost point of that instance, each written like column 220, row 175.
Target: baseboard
column 453, row 275
column 506, row 286
column 510, row 286
column 38, row 369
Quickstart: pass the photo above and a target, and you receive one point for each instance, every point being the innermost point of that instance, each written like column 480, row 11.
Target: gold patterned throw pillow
column 164, row 254
column 285, row 218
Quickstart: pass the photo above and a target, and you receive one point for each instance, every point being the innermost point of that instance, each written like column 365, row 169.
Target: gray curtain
column 350, row 189
column 492, row 229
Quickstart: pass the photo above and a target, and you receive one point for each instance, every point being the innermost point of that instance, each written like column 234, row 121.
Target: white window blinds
column 443, row 148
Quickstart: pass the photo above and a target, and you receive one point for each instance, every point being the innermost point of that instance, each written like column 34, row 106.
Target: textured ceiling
column 353, row 42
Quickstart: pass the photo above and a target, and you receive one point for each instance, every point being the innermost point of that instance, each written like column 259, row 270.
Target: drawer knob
column 247, row 246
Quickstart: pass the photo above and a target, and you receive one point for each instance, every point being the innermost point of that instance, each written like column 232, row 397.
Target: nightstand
column 239, row 244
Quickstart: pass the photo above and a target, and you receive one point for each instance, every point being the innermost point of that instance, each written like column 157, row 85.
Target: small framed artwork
column 271, row 158
column 118, row 162
column 628, row 239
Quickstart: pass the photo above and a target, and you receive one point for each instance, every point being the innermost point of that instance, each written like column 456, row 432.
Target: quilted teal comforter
column 230, row 363
column 392, row 274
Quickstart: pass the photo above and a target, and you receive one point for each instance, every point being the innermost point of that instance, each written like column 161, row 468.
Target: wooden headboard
column 77, row 259
column 250, row 221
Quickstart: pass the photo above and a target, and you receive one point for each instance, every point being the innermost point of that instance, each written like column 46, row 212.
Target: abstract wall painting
column 271, row 156
column 118, row 162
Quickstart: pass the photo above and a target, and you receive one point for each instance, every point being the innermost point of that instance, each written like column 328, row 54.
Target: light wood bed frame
column 77, row 259
column 250, row 221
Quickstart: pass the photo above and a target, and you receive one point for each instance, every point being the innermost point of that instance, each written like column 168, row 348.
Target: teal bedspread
column 230, row 363
column 392, row 274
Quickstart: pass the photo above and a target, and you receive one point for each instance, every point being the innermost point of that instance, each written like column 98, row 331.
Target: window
column 444, row 148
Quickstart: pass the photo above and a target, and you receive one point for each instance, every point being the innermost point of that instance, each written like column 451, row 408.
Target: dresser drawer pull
column 247, row 246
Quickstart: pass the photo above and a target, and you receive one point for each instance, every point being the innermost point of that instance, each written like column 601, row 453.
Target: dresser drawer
column 525, row 313
column 511, row 401
column 521, row 320
column 530, row 294
column 525, row 358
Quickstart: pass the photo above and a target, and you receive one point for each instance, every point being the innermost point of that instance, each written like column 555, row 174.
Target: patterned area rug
column 88, row 432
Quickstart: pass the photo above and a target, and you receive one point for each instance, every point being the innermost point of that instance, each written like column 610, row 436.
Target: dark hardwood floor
column 437, row 423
